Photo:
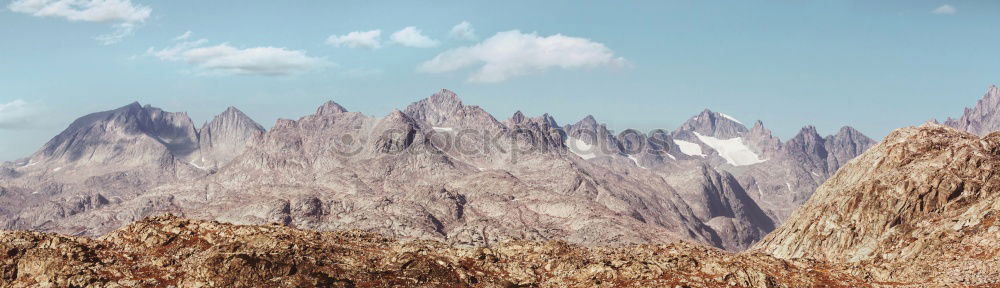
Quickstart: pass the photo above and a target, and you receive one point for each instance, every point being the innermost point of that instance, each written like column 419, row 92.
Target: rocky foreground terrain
column 919, row 209
column 168, row 251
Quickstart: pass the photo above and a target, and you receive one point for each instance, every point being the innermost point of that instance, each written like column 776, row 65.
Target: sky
column 874, row 65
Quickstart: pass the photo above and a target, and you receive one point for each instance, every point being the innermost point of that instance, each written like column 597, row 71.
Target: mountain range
column 438, row 169
column 918, row 207
column 917, row 210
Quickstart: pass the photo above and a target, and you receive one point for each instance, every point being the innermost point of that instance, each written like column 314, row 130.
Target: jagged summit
column 588, row 122
column 714, row 124
column 329, row 108
column 225, row 137
column 982, row 119
column 445, row 109
column 517, row 118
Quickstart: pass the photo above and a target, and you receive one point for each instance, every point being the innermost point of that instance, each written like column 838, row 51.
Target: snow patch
column 197, row 166
column 733, row 150
column 636, row 161
column 57, row 169
column 580, row 148
column 689, row 148
column 730, row 118
column 789, row 185
column 443, row 129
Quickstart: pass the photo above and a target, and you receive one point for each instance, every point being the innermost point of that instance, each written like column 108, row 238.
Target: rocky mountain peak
column 445, row 98
column 844, row 146
column 761, row 140
column 227, row 136
column 548, row 120
column 330, row 108
column 140, row 128
column 982, row 119
column 848, row 132
column 807, row 141
column 758, row 130
column 445, row 109
column 587, row 121
column 395, row 132
column 714, row 124
column 518, row 117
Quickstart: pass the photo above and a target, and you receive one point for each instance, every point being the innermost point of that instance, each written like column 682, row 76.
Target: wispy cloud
column 412, row 37
column 945, row 9
column 463, row 31
column 17, row 114
column 512, row 53
column 226, row 59
column 125, row 15
column 185, row 36
column 357, row 39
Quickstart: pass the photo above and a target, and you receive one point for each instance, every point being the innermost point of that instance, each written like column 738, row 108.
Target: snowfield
column 733, row 150
column 689, row 148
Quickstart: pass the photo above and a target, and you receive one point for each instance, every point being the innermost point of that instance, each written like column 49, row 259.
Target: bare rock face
column 129, row 135
column 226, row 137
column 919, row 206
column 982, row 119
column 844, row 146
column 110, row 157
column 168, row 251
column 761, row 141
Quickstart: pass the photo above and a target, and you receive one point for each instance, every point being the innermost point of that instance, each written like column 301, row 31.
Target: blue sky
column 875, row 65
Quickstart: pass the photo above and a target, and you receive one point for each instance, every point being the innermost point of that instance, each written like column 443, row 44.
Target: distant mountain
column 439, row 169
column 982, row 119
column 920, row 206
column 109, row 157
column 226, row 137
column 778, row 176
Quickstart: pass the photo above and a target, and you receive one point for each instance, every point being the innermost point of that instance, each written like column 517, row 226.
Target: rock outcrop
column 921, row 205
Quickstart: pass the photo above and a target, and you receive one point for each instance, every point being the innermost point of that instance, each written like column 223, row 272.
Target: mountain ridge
column 422, row 170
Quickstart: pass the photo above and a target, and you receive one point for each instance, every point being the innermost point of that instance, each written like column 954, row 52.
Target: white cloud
column 512, row 53
column 122, row 31
column 357, row 39
column 126, row 15
column 226, row 59
column 16, row 114
column 411, row 36
column 185, row 36
column 945, row 9
column 463, row 31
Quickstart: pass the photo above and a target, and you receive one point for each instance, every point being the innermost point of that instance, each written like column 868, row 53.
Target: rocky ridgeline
column 438, row 169
column 921, row 205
